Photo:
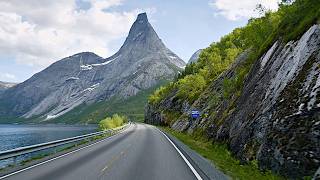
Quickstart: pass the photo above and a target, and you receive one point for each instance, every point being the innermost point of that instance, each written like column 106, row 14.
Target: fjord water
column 14, row 136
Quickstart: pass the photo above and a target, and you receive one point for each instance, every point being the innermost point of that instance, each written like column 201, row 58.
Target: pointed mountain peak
column 142, row 29
column 142, row 17
column 142, row 36
column 143, row 41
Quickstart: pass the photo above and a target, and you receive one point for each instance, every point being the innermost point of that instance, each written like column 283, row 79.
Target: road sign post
column 195, row 114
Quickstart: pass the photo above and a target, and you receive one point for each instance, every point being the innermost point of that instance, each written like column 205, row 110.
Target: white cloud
column 38, row 33
column 7, row 76
column 241, row 9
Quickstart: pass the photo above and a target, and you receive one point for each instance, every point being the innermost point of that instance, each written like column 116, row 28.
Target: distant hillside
column 6, row 85
column 195, row 56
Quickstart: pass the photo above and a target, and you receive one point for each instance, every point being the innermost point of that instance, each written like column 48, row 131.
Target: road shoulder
column 203, row 166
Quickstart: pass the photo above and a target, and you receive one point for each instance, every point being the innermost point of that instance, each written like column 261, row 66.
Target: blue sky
column 31, row 40
column 188, row 26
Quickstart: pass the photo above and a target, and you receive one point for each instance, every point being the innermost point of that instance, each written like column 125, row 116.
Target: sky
column 37, row 33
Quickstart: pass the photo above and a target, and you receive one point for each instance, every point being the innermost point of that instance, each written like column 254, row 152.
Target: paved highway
column 139, row 153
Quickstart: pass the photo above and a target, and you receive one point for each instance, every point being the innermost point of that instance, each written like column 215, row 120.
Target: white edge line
column 183, row 157
column 58, row 157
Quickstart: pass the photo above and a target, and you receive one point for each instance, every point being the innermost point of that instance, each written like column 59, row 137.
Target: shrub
column 160, row 93
column 112, row 122
column 191, row 86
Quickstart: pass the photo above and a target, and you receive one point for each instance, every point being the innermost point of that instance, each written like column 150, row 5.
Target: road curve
column 140, row 153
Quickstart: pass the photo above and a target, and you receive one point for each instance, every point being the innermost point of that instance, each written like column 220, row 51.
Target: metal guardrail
column 13, row 153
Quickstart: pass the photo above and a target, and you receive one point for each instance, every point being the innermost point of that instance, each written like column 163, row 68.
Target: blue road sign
column 195, row 114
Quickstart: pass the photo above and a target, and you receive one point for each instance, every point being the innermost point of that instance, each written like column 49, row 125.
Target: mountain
column 195, row 56
column 6, row 85
column 69, row 87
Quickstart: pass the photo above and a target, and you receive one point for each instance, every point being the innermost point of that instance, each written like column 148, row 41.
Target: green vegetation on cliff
column 288, row 23
column 215, row 82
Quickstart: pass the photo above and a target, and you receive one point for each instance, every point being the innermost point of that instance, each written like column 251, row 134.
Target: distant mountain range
column 85, row 87
column 195, row 56
column 6, row 85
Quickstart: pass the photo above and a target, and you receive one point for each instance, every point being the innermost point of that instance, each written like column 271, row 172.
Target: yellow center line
column 115, row 158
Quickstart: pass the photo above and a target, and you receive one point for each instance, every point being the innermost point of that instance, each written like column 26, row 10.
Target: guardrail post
column 15, row 160
column 14, row 153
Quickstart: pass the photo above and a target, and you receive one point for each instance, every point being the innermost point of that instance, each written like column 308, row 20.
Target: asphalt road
column 140, row 153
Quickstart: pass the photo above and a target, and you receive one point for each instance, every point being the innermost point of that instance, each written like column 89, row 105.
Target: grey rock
column 317, row 175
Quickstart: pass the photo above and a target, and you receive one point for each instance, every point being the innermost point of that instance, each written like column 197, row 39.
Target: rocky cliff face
column 276, row 117
column 85, row 78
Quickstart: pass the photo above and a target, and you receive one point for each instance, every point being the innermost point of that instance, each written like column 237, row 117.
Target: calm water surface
column 14, row 136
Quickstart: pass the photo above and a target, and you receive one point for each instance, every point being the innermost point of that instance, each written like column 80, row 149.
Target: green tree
column 112, row 122
column 191, row 86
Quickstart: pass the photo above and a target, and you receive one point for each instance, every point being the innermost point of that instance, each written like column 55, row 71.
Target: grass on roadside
column 219, row 155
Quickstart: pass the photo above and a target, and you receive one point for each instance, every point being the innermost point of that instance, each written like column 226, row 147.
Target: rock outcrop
column 276, row 118
column 85, row 78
